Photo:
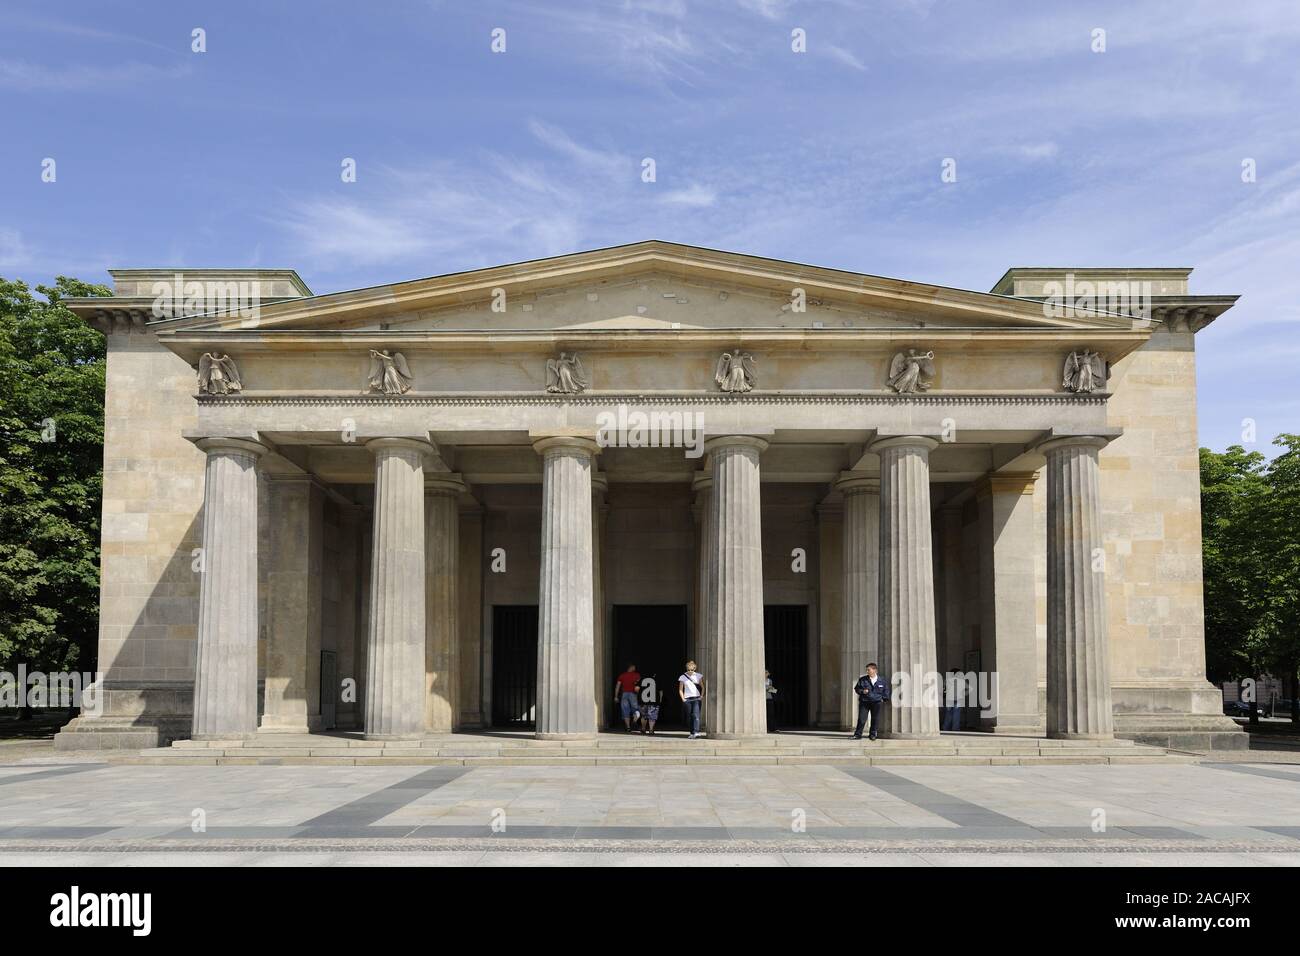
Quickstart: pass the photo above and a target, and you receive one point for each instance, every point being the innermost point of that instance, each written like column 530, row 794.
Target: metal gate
column 785, row 646
column 514, row 666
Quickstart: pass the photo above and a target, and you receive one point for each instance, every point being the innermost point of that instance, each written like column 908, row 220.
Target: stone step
column 408, row 758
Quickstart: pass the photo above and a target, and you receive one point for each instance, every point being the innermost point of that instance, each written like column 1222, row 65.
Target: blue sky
column 469, row 158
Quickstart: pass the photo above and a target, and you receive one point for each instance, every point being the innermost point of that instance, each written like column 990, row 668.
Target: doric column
column 469, row 618
column 566, row 704
column 350, row 578
column 736, row 568
column 600, row 640
column 830, row 614
column 705, row 612
column 1078, row 668
column 225, row 672
column 396, row 650
column 1008, row 616
column 441, row 573
column 293, row 565
column 861, row 563
column 907, row 638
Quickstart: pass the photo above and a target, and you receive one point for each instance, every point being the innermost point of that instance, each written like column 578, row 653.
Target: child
column 649, row 717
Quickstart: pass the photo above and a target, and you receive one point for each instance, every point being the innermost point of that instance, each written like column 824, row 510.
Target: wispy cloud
column 37, row 77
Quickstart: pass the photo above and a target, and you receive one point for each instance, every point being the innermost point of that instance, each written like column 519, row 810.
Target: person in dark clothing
column 769, row 691
column 872, row 692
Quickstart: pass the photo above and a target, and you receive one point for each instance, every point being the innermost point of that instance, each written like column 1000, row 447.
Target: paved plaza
column 86, row 813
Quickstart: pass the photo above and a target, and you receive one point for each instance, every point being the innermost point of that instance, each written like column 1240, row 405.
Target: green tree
column 1282, row 530
column 51, row 458
column 1233, row 486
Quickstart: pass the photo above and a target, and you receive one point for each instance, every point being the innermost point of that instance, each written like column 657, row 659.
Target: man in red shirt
column 625, row 688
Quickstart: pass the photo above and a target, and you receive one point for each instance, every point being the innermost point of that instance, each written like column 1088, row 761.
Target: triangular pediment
column 652, row 285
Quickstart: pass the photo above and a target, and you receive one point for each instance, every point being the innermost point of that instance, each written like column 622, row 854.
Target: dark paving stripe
column 52, row 833
column 959, row 811
column 1292, row 832
column 1255, row 771
column 56, row 772
column 375, row 806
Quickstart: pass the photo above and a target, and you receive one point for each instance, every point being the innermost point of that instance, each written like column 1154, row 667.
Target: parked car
column 1236, row 708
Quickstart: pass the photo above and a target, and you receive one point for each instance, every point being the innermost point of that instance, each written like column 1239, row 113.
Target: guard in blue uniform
column 872, row 693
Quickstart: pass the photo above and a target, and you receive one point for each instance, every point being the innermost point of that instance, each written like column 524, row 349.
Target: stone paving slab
column 664, row 808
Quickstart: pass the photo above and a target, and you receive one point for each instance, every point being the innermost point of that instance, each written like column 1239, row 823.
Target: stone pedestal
column 907, row 636
column 1008, row 615
column 395, row 682
column 441, row 573
column 736, row 570
column 861, row 597
column 225, row 674
column 1078, row 669
column 566, row 702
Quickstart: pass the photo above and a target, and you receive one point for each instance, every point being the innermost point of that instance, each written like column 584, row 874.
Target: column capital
column 903, row 441
column 1072, row 441
column 442, row 484
column 736, row 441
column 570, row 444
column 218, row 445
column 599, row 483
column 1011, row 483
column 376, row 445
column 703, row 481
column 849, row 483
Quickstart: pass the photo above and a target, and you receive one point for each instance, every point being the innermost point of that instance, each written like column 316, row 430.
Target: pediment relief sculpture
column 735, row 372
column 565, row 375
column 218, row 374
column 389, row 373
column 911, row 371
column 1085, row 372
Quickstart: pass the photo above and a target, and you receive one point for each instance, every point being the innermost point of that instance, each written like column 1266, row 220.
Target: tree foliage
column 51, row 458
column 1250, row 511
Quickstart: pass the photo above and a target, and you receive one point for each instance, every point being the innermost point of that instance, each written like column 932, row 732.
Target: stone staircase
column 617, row 749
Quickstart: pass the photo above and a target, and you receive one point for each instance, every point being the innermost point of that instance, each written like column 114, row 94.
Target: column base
column 291, row 725
column 1058, row 735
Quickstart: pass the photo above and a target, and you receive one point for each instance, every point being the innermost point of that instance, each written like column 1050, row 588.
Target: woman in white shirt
column 690, row 688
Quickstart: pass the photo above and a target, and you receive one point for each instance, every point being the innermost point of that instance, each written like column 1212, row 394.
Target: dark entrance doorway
column 652, row 636
column 514, row 666
column 785, row 646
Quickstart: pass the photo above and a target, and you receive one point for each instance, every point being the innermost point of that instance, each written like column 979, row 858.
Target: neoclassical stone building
column 470, row 500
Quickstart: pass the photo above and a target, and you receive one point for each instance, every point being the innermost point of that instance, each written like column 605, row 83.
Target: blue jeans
column 691, row 714
column 951, row 718
column 627, row 704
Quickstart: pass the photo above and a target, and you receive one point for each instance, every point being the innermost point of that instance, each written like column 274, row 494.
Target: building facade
column 470, row 500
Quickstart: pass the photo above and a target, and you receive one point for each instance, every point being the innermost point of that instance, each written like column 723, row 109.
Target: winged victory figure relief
column 911, row 371
column 735, row 372
column 389, row 373
column 565, row 375
column 1085, row 372
column 218, row 375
